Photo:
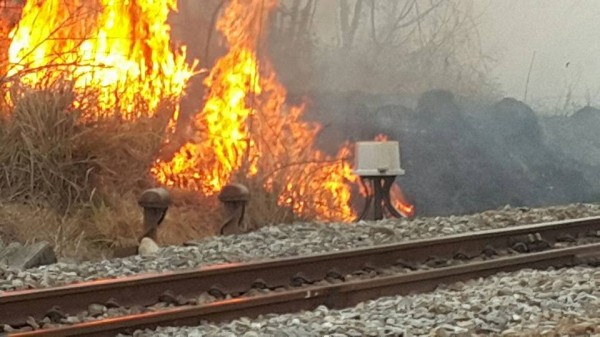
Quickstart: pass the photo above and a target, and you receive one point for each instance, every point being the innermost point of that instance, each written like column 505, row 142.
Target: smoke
column 385, row 46
column 458, row 162
column 565, row 71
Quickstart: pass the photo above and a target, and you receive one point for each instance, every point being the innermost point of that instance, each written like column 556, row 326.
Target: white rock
column 148, row 247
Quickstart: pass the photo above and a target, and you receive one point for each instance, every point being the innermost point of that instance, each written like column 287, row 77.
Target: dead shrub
column 37, row 157
column 73, row 180
column 264, row 207
column 51, row 153
column 72, row 177
column 29, row 223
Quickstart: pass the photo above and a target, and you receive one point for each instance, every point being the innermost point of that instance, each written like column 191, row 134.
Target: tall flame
column 120, row 50
column 118, row 56
column 246, row 128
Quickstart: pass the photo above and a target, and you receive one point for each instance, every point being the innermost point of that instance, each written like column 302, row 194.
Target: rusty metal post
column 234, row 197
column 378, row 190
column 155, row 202
column 377, row 164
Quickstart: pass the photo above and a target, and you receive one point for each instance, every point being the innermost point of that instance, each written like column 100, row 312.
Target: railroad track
column 298, row 283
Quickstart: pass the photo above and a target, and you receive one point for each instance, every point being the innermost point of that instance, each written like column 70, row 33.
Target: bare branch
column 349, row 26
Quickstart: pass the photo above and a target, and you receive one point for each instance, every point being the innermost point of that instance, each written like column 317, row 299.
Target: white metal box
column 377, row 159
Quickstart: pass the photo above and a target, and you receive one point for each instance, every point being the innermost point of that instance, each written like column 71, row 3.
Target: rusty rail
column 334, row 296
column 238, row 277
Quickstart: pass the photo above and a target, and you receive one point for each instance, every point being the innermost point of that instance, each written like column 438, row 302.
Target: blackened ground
column 461, row 163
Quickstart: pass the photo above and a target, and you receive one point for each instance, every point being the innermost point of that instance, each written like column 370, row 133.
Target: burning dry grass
column 247, row 133
column 264, row 206
column 49, row 153
column 79, row 148
column 73, row 181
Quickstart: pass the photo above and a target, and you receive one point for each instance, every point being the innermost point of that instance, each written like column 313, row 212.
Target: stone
column 7, row 328
column 512, row 332
column 136, row 309
column 439, row 332
column 32, row 323
column 251, row 334
column 24, row 257
column 148, row 247
column 8, row 251
column 354, row 333
column 96, row 310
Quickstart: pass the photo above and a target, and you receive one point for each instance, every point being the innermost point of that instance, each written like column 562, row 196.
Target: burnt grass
column 463, row 157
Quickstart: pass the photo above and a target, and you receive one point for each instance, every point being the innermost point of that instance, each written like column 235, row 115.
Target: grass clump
column 73, row 180
column 71, row 176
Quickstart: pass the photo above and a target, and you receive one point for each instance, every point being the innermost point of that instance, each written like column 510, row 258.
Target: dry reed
column 73, row 180
column 70, row 175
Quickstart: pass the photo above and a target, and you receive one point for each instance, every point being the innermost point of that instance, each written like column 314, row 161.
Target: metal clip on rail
column 155, row 202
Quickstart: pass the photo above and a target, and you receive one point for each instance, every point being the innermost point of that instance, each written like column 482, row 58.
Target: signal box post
column 378, row 164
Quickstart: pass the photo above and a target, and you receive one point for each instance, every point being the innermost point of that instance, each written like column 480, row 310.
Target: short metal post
column 378, row 164
column 378, row 189
column 155, row 202
column 234, row 197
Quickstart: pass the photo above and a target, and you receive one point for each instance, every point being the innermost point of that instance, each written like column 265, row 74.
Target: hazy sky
column 559, row 31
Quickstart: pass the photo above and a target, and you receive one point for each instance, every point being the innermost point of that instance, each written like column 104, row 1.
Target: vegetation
column 74, row 181
column 398, row 47
column 394, row 47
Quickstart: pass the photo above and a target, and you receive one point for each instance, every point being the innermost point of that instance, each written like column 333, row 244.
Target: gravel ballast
column 287, row 240
column 562, row 302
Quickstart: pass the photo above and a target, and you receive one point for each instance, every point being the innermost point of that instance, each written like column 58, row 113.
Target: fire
column 117, row 52
column 247, row 131
column 10, row 11
column 400, row 203
column 117, row 55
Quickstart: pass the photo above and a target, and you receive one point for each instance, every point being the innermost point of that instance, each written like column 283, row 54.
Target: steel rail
column 334, row 295
column 144, row 290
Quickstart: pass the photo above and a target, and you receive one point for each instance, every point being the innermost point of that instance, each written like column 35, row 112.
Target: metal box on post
column 377, row 159
column 378, row 164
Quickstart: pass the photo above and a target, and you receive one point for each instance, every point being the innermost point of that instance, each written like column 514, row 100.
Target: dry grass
column 95, row 231
column 72, row 177
column 191, row 216
column 30, row 223
column 50, row 152
column 263, row 207
column 73, row 180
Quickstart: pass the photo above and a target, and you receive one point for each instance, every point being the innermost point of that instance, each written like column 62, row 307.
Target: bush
column 73, row 180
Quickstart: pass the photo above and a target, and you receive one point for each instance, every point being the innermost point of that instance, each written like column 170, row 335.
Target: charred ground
column 462, row 157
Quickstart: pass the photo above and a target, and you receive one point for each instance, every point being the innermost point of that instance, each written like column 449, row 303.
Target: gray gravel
column 287, row 240
column 528, row 302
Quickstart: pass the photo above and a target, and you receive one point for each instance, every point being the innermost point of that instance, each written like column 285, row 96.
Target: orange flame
column 117, row 54
column 400, row 203
column 246, row 130
column 119, row 49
